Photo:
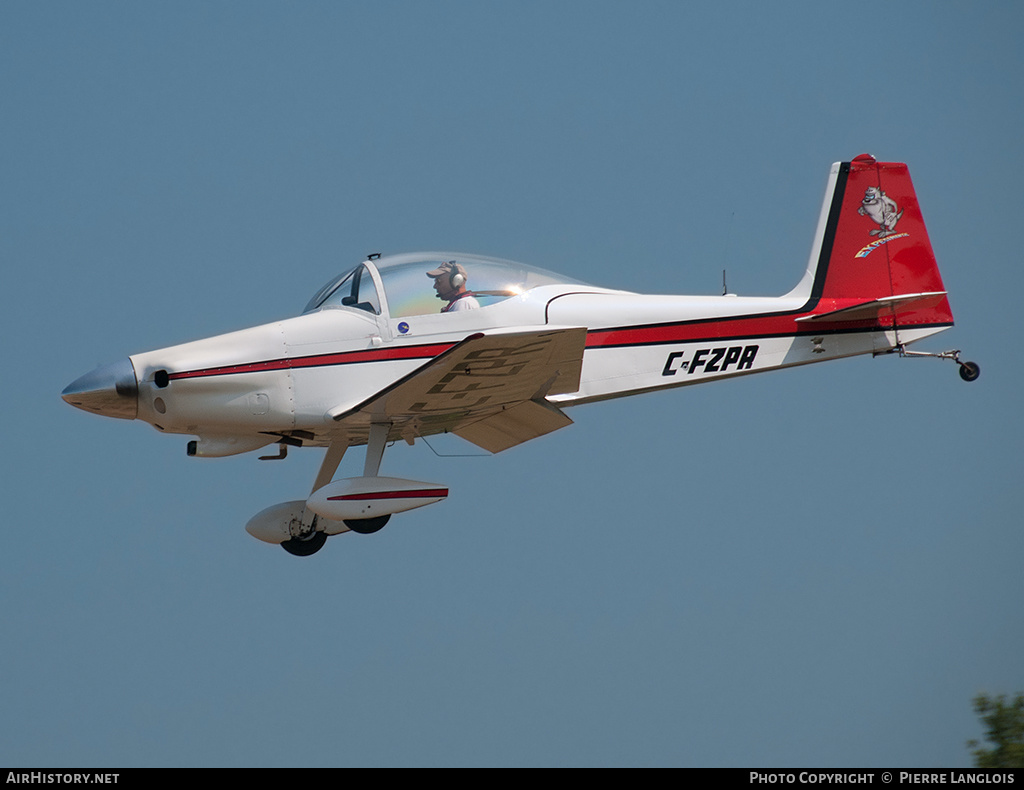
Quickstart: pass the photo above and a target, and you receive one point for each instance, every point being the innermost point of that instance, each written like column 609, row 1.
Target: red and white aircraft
column 374, row 358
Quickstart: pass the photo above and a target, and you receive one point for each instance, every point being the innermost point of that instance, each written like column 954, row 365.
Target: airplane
column 373, row 358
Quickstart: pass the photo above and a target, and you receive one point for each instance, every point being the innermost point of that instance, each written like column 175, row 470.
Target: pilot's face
column 442, row 286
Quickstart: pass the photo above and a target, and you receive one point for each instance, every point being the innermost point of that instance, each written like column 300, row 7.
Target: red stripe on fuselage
column 695, row 331
column 419, row 494
column 321, row 360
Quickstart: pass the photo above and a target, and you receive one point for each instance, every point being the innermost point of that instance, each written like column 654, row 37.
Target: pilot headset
column 456, row 279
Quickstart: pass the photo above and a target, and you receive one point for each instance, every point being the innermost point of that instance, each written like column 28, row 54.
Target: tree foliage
column 1005, row 729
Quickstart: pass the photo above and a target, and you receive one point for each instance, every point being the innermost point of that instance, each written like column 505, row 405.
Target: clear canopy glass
column 408, row 289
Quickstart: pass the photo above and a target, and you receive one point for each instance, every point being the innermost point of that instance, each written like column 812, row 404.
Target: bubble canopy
column 409, row 291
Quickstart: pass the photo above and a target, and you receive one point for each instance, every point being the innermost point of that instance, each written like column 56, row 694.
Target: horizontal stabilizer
column 875, row 308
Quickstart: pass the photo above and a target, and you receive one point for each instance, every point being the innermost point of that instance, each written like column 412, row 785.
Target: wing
column 489, row 389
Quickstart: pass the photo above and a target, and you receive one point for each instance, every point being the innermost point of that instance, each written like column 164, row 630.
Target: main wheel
column 969, row 371
column 367, row 526
column 305, row 545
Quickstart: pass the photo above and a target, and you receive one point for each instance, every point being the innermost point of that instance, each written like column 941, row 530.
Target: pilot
column 450, row 284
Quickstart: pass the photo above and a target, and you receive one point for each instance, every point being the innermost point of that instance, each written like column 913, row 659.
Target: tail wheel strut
column 969, row 371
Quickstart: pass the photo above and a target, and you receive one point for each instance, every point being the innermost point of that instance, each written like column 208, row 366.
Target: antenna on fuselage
column 725, row 255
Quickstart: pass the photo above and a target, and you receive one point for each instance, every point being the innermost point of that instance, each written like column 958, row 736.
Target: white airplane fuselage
column 257, row 384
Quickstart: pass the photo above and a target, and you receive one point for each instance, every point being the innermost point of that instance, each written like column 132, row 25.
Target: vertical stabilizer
column 871, row 244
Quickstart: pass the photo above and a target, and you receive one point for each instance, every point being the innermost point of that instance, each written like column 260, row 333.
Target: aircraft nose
column 111, row 390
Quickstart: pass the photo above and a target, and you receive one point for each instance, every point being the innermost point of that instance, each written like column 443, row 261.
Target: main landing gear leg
column 375, row 445
column 330, row 464
column 969, row 371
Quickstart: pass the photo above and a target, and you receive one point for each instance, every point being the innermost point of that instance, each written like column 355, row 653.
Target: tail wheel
column 969, row 371
column 305, row 545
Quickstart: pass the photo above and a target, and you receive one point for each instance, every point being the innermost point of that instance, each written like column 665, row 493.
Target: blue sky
column 818, row 567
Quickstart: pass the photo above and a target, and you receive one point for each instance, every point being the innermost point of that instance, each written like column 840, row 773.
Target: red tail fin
column 874, row 245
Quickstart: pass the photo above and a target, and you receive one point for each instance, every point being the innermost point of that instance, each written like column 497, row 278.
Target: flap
column 514, row 425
